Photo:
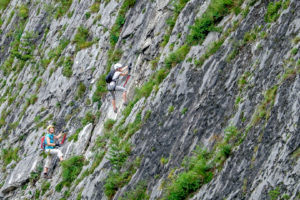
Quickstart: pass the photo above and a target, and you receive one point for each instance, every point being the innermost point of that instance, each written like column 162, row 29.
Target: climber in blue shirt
column 49, row 148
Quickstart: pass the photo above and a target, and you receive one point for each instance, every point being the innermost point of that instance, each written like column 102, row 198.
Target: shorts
column 112, row 88
column 50, row 153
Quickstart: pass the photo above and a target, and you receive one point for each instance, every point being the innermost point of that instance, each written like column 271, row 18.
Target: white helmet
column 117, row 66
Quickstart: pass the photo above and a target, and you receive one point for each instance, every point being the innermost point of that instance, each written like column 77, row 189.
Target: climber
column 111, row 80
column 49, row 148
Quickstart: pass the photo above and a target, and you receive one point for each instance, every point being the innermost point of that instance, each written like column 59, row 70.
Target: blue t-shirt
column 51, row 137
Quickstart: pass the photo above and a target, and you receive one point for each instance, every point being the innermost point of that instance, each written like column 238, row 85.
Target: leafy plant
column 4, row 4
column 9, row 155
column 23, row 12
column 71, row 168
column 272, row 11
column 82, row 38
column 63, row 8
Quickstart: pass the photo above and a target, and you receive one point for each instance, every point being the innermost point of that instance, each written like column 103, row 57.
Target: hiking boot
column 125, row 103
column 46, row 176
column 116, row 110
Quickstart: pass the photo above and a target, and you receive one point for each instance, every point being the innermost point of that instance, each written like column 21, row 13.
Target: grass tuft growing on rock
column 63, row 8
column 8, row 155
column 116, row 29
column 199, row 168
column 71, row 168
column 4, row 4
column 82, row 38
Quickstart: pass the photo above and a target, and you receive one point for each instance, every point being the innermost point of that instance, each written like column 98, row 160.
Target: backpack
column 43, row 143
column 109, row 76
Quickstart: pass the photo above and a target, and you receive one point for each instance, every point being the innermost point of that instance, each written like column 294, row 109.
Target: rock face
column 243, row 73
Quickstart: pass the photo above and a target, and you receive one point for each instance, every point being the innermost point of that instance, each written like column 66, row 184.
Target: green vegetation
column 164, row 161
column 199, row 168
column 56, row 53
column 75, row 135
column 118, row 179
column 22, row 50
column 89, row 118
column 71, row 168
column 67, row 67
column 171, row 109
column 249, row 37
column 4, row 4
column 216, row 10
column 97, row 159
column 23, row 12
column 272, row 11
column 63, row 8
column 296, row 154
column 120, row 149
column 294, row 51
column 9, row 155
column 243, row 80
column 178, row 6
column 184, row 110
column 290, row 73
column 177, row 56
column 264, row 109
column 274, row 194
column 213, row 48
column 82, row 38
column 95, row 7
column 139, row 193
column 80, row 90
column 37, row 194
column 116, row 29
column 45, row 186
column 109, row 123
column 87, row 15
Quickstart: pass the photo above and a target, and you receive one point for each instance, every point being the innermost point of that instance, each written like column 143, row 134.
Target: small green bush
column 80, row 90
column 145, row 90
column 177, row 56
column 89, row 118
column 56, row 52
column 216, row 10
column 37, row 194
column 272, row 11
column 33, row 99
column 75, row 135
column 171, row 109
column 118, row 179
column 95, row 7
column 23, row 12
column 4, row 4
column 67, row 67
column 100, row 89
column 97, row 160
column 81, row 38
column 115, row 30
column 184, row 110
column 138, row 193
column 109, row 123
column 274, row 194
column 164, row 161
column 63, row 8
column 71, row 168
column 45, row 186
column 294, row 51
column 9, row 155
column 87, row 15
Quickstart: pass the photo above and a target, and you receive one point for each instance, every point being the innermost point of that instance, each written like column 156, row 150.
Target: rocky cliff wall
column 213, row 107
